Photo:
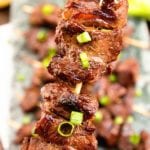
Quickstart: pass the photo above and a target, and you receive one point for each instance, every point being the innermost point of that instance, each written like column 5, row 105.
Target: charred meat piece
column 145, row 141
column 24, row 131
column 107, row 130
column 82, row 138
column 140, row 141
column 73, row 71
column 40, row 41
column 127, row 72
column 37, row 113
column 104, row 14
column 41, row 76
column 45, row 14
column 38, row 144
column 100, row 49
column 31, row 99
column 59, row 98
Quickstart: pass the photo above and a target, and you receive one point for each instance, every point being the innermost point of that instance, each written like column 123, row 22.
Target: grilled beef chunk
column 72, row 71
column 41, row 77
column 38, row 18
column 41, row 47
column 80, row 16
column 124, row 143
column 127, row 72
column 107, row 14
column 82, row 138
column 145, row 141
column 24, row 131
column 59, row 98
column 38, row 144
column 31, row 99
column 107, row 130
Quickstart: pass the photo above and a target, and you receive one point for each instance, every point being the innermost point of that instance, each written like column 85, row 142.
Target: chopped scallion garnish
column 130, row 119
column 42, row 35
column 76, row 118
column 104, row 101
column 98, row 117
column 112, row 78
column 65, row 129
column 135, row 139
column 33, row 133
column 26, row 119
column 84, row 60
column 138, row 93
column 20, row 77
column 46, row 61
column 47, row 9
column 118, row 120
column 84, row 38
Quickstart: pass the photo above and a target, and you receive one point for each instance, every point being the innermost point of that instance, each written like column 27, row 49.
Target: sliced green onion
column 47, row 9
column 104, row 101
column 42, row 35
column 84, row 38
column 135, row 139
column 98, row 117
column 76, row 118
column 120, row 56
column 138, row 93
column 46, row 61
column 20, row 77
column 26, row 119
column 65, row 129
column 118, row 120
column 84, row 60
column 33, row 133
column 130, row 119
column 112, row 78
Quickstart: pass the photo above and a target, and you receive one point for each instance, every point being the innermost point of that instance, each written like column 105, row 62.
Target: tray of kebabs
column 82, row 76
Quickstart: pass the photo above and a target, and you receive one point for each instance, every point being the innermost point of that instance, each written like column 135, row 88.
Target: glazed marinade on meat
column 38, row 144
column 83, row 137
column 60, row 99
column 104, row 23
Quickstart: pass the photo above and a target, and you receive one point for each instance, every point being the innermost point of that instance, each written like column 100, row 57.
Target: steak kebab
column 103, row 21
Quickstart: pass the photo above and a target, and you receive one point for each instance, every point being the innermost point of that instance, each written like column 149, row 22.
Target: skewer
column 78, row 88
column 15, row 125
column 31, row 61
column 137, row 43
column 101, row 2
column 141, row 111
column 27, row 9
column 18, row 97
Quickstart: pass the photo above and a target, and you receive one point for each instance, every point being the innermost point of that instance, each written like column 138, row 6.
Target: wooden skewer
column 137, row 43
column 19, row 97
column 27, row 9
column 101, row 3
column 31, row 61
column 15, row 125
column 78, row 88
column 141, row 111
